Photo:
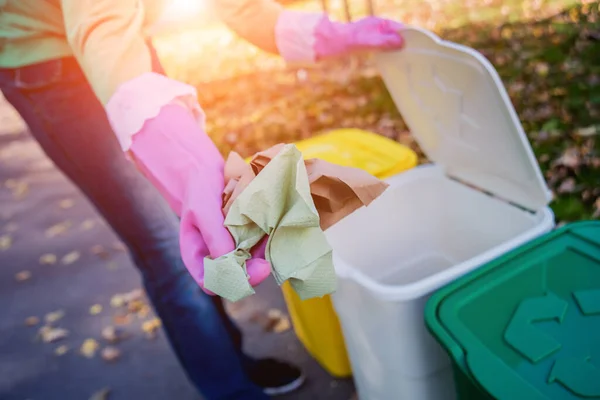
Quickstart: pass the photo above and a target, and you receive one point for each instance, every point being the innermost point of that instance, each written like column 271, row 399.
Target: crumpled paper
column 292, row 201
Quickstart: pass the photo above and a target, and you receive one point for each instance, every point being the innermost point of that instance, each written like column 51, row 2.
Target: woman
column 88, row 84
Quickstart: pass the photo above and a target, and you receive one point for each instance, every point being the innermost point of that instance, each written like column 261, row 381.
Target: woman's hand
column 173, row 151
column 303, row 37
column 371, row 33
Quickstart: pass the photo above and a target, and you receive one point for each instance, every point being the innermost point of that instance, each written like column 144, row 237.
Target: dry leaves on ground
column 23, row 276
column 96, row 309
column 89, row 348
column 123, row 299
column 100, row 252
column 48, row 259
column 110, row 354
column 102, row 394
column 54, row 316
column 121, row 318
column 6, row 242
column 130, row 304
column 119, row 246
column 58, row 229
column 87, row 224
column 19, row 188
column 65, row 204
column 32, row 321
column 273, row 321
column 61, row 350
column 113, row 334
column 70, row 258
column 49, row 334
column 150, row 327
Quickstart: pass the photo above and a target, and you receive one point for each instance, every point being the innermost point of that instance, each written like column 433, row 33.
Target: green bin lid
column 527, row 325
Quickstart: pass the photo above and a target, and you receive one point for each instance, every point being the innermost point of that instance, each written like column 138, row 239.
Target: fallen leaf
column 48, row 259
column 89, row 347
column 542, row 68
column 32, row 321
column 121, row 299
column 51, row 335
column 571, row 158
column 70, row 258
column 23, row 276
column 282, row 325
column 5, row 242
column 113, row 334
column 150, row 327
column 58, row 229
column 101, row 394
column 109, row 334
column 274, row 313
column 87, row 224
column 100, row 252
column 19, row 188
column 143, row 312
column 61, row 350
column 515, row 87
column 279, row 322
column 66, row 204
column 122, row 319
column 587, row 131
column 119, row 246
column 568, row 186
column 274, row 321
column 135, row 294
column 110, row 354
column 117, row 301
column 54, row 316
column 135, row 306
column 597, row 209
column 96, row 309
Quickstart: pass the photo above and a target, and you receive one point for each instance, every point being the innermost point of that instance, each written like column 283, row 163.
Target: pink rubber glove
column 306, row 37
column 175, row 154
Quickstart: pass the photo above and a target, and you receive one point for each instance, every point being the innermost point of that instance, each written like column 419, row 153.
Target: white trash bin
column 433, row 225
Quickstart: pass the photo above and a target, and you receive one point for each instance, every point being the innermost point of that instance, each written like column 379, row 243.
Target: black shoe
column 275, row 377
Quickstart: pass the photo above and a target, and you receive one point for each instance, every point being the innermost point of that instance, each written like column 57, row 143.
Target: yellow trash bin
column 315, row 321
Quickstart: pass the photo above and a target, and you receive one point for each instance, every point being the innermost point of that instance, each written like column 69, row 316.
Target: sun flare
column 183, row 9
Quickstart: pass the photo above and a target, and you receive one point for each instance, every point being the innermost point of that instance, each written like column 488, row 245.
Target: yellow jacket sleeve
column 106, row 37
column 253, row 20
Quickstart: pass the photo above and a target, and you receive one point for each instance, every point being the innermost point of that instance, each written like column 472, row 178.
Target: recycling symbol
column 576, row 374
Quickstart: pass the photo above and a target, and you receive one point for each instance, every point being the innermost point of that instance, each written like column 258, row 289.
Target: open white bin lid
column 455, row 105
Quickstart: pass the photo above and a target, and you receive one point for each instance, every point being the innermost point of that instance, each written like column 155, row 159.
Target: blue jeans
column 70, row 124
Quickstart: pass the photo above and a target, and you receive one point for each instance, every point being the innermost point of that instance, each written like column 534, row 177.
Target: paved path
column 57, row 257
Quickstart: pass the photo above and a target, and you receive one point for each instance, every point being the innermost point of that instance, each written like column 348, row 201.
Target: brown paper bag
column 336, row 191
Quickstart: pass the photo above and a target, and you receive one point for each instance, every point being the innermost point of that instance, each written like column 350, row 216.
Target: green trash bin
column 526, row 326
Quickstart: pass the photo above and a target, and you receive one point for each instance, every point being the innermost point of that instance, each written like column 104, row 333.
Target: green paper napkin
column 276, row 202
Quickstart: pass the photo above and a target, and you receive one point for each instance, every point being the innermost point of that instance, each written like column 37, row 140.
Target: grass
column 546, row 51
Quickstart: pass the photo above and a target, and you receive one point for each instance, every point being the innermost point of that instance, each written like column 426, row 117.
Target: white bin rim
column 423, row 287
column 455, row 105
